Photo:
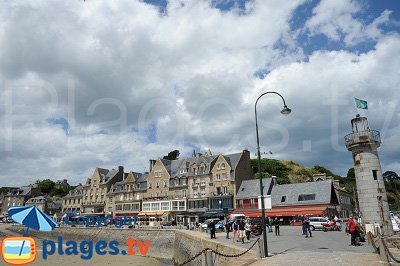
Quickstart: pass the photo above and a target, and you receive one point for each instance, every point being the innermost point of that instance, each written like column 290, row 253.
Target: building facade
column 125, row 197
column 18, row 197
column 194, row 188
column 72, row 203
column 96, row 188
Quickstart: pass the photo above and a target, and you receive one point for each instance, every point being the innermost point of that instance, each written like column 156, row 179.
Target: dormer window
column 283, row 199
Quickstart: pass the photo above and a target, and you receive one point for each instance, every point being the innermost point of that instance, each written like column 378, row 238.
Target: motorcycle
column 331, row 226
column 256, row 231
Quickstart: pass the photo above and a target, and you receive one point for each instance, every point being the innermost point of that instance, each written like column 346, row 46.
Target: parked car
column 220, row 226
column 207, row 222
column 316, row 223
column 395, row 225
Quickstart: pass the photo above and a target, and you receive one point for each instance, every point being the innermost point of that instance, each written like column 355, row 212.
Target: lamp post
column 285, row 111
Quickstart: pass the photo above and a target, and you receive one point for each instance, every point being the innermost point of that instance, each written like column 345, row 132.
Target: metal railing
column 369, row 136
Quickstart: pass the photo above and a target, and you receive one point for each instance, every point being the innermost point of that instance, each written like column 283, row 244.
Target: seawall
column 167, row 245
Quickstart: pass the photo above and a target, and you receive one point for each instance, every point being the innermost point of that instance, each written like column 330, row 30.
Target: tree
column 46, row 186
column 322, row 169
column 390, row 175
column 351, row 173
column 172, row 155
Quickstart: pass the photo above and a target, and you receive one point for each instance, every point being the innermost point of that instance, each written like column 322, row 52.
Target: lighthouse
column 372, row 199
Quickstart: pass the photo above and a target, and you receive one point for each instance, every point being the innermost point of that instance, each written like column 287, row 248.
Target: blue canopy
column 32, row 217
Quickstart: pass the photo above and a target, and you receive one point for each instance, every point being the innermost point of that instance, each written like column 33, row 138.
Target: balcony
column 363, row 137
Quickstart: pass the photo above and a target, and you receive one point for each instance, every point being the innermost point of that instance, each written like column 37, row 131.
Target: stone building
column 72, row 202
column 18, row 197
column 96, row 188
column 196, row 187
column 125, row 197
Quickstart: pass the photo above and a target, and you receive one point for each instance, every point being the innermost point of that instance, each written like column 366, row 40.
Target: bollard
column 382, row 251
column 209, row 257
column 204, row 259
column 260, row 248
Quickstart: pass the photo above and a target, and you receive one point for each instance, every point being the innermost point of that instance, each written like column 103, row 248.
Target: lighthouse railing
column 368, row 136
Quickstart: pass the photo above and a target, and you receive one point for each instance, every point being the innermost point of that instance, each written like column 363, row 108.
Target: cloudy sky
column 107, row 83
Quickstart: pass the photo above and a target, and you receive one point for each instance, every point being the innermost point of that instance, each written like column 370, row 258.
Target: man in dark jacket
column 228, row 228
column 241, row 230
column 212, row 229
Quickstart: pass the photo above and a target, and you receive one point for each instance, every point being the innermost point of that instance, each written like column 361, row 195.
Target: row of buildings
column 199, row 187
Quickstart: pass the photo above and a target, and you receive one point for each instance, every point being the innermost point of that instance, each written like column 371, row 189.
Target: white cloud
column 337, row 20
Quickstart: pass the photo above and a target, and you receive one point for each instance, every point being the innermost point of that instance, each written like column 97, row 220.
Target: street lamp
column 285, row 111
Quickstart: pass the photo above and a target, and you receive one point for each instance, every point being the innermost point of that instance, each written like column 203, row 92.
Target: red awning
column 288, row 211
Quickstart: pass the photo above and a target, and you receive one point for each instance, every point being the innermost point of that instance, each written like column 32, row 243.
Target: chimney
column 152, row 162
column 274, row 180
column 336, row 183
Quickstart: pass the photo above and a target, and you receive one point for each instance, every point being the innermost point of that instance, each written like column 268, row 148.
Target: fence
column 380, row 244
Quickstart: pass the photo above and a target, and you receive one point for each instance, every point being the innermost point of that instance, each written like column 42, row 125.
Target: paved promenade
column 324, row 248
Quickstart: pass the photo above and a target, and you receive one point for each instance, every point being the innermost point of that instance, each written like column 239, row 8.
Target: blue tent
column 32, row 217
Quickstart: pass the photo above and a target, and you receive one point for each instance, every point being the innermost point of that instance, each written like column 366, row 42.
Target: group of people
column 356, row 231
column 240, row 230
column 305, row 222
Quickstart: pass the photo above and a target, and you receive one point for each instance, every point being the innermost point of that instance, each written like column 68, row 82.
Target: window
column 306, row 197
column 218, row 166
column 218, row 177
column 242, row 188
column 157, row 194
column 184, row 193
column 157, row 185
column 375, row 174
column 146, row 206
column 165, row 194
column 149, row 184
column 118, row 207
column 165, row 206
column 203, row 191
column 224, row 176
column 225, row 190
column 155, row 206
column 222, row 166
column 203, row 181
column 240, row 203
column 283, row 199
column 195, row 192
column 157, row 173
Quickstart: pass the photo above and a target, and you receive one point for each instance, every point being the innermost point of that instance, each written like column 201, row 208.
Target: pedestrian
column 241, row 230
column 351, row 229
column 247, row 228
column 212, row 229
column 277, row 224
column 228, row 228
column 307, row 226
column 270, row 224
column 235, row 228
column 303, row 225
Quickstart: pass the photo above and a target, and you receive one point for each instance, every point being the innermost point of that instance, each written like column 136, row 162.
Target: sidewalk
column 292, row 248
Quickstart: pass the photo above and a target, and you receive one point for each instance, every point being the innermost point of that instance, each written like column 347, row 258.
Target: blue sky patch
column 60, row 121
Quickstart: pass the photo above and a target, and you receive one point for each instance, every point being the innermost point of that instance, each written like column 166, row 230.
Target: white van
column 237, row 216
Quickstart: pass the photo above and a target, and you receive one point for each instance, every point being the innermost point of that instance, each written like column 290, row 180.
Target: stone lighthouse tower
column 363, row 144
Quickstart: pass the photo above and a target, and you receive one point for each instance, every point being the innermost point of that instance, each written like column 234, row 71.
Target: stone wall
column 188, row 244
column 162, row 241
column 169, row 246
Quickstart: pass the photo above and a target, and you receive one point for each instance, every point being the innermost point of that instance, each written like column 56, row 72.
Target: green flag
column 361, row 104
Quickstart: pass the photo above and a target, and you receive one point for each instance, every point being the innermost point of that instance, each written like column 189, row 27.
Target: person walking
column 270, row 222
column 247, row 228
column 277, row 224
column 212, row 229
column 351, row 229
column 228, row 228
column 307, row 226
column 303, row 225
column 241, row 230
column 235, row 228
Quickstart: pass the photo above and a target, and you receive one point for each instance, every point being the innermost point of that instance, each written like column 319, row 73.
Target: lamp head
column 286, row 110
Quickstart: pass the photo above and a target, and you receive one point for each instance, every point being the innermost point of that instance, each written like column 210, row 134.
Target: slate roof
column 251, row 188
column 174, row 166
column 22, row 191
column 323, row 191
